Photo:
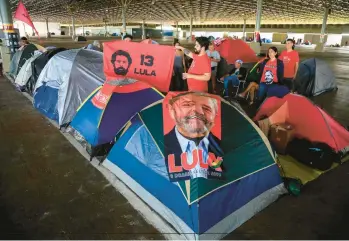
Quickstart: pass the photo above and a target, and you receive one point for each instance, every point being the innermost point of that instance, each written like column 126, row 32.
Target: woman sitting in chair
column 237, row 73
column 272, row 70
column 251, row 90
column 254, row 77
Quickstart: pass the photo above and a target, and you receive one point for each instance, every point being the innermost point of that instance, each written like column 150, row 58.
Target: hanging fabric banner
column 149, row 63
column 192, row 135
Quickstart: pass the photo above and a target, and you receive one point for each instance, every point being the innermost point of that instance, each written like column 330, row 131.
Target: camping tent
column 309, row 121
column 66, row 81
column 100, row 126
column 26, row 71
column 252, row 176
column 20, row 57
column 234, row 49
column 38, row 65
column 314, row 77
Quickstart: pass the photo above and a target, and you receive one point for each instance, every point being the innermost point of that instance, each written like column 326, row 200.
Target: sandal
column 241, row 95
column 251, row 103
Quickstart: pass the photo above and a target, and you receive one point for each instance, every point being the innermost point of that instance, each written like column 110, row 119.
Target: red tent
column 309, row 121
column 234, row 49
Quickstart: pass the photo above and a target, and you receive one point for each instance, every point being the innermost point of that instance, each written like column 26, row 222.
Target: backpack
column 313, row 154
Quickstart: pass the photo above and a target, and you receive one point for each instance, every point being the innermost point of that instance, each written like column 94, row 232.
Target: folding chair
column 243, row 82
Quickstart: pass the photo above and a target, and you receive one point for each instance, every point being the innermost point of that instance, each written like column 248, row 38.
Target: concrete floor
column 49, row 191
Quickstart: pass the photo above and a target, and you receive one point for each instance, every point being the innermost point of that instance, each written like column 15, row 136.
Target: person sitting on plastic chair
column 234, row 77
column 272, row 70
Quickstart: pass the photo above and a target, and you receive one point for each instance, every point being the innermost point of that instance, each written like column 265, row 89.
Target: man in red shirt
column 290, row 58
column 199, row 72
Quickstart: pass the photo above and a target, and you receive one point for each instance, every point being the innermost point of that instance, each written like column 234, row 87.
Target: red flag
column 22, row 14
column 149, row 63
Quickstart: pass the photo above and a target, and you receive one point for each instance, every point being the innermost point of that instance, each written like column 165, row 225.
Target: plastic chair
column 243, row 82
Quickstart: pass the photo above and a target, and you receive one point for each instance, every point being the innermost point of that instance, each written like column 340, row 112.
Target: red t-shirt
column 270, row 72
column 200, row 65
column 289, row 59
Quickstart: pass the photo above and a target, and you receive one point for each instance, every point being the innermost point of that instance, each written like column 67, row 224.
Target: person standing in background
column 179, row 68
column 215, row 58
column 23, row 42
column 199, row 72
column 290, row 58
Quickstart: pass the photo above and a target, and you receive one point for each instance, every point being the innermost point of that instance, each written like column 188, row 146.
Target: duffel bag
column 313, row 154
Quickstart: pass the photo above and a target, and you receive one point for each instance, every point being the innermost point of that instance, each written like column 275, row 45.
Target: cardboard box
column 264, row 125
column 280, row 135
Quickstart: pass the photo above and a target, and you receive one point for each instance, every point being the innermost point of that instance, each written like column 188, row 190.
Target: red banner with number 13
column 150, row 63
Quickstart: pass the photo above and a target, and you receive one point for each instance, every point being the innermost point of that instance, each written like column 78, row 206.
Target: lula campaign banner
column 192, row 135
column 150, row 63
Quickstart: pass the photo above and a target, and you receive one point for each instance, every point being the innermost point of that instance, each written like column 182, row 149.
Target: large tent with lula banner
column 309, row 122
column 105, row 112
column 314, row 77
column 99, row 126
column 199, row 208
column 66, row 81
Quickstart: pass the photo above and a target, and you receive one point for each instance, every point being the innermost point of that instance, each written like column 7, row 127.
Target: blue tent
column 253, row 180
column 100, row 126
column 66, row 81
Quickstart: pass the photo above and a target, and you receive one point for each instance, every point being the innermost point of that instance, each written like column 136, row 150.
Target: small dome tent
column 66, row 81
column 314, row 77
column 21, row 56
column 26, row 72
column 234, row 49
column 38, row 65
